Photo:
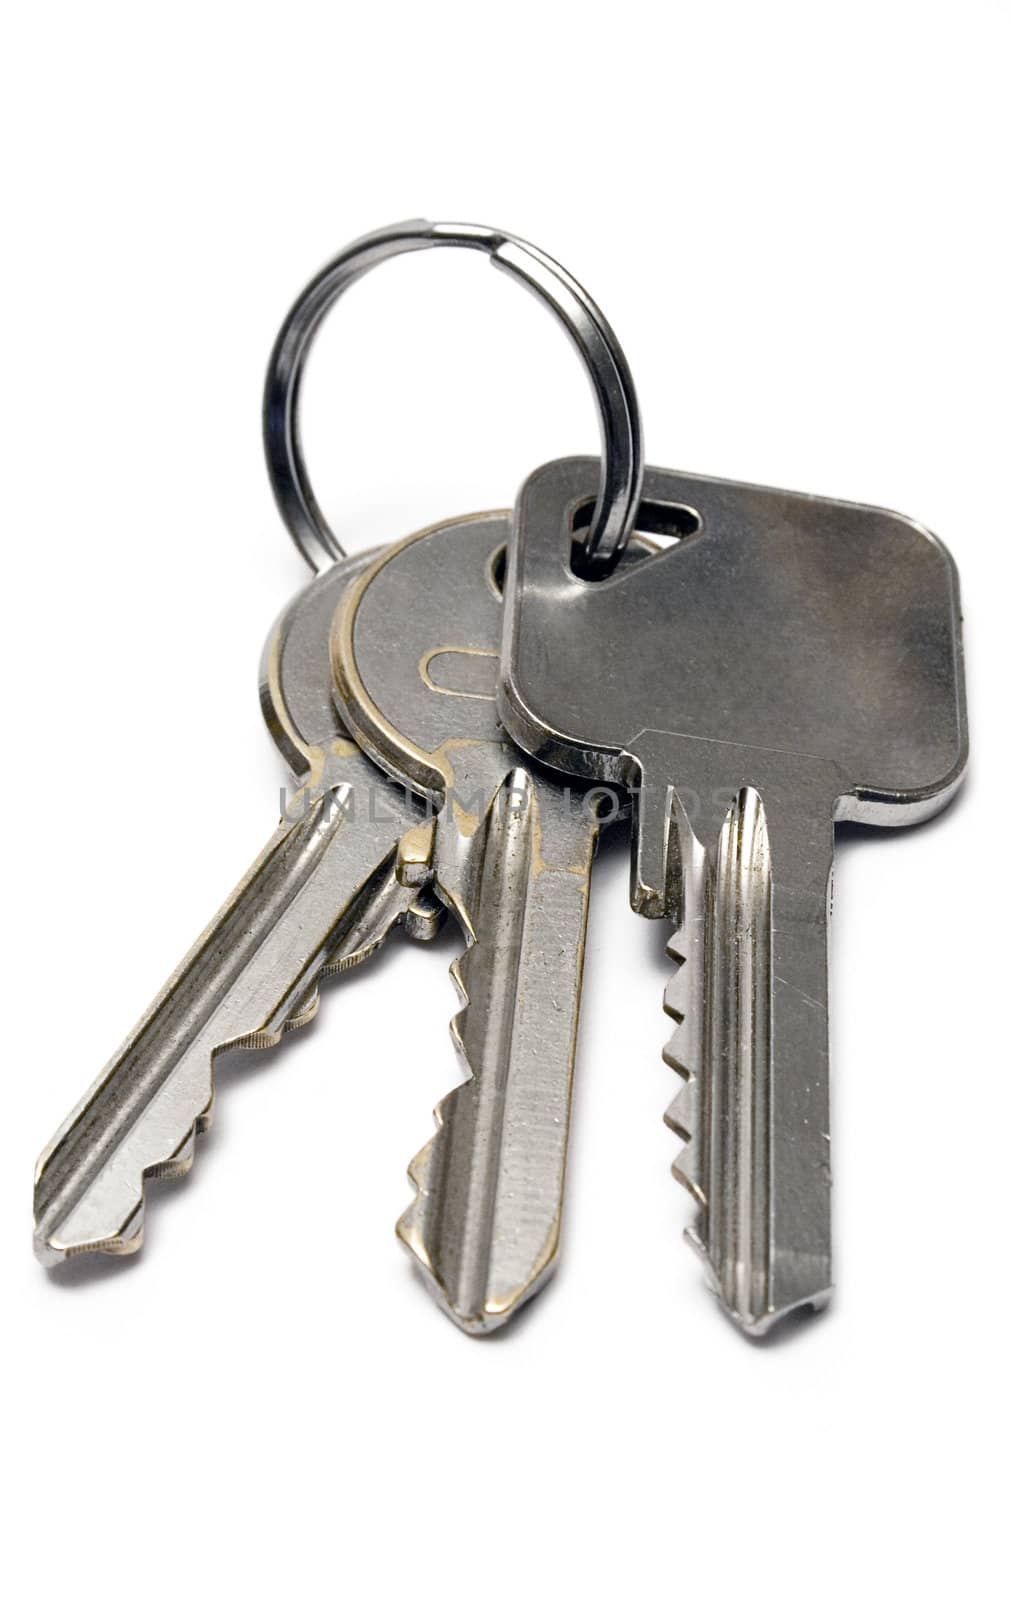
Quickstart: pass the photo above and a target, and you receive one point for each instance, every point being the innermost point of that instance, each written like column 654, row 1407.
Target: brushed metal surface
column 321, row 896
column 788, row 662
column 510, row 851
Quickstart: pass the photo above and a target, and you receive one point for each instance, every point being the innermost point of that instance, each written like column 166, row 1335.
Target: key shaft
column 486, row 1220
column 750, row 999
column 249, row 975
column 415, row 653
column 320, row 898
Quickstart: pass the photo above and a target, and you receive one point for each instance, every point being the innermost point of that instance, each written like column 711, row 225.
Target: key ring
column 621, row 463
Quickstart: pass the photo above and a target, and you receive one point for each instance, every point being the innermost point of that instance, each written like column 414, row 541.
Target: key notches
column 621, row 464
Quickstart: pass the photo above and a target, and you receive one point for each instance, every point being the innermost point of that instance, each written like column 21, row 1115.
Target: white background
column 796, row 218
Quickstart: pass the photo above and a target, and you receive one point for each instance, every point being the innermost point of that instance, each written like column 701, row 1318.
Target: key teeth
column 62, row 1184
column 681, row 1116
column 456, row 974
column 445, row 1226
column 674, row 1055
column 266, row 1038
column 178, row 1165
column 418, row 1167
column 129, row 1236
column 410, row 1227
column 678, row 1004
column 677, row 992
column 126, row 1243
column 684, row 1170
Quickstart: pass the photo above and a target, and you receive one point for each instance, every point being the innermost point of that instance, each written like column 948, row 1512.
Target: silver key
column 791, row 662
column 321, row 897
column 415, row 665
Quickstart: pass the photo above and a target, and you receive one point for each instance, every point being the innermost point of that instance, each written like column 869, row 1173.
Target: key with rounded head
column 415, row 654
column 321, row 897
column 790, row 662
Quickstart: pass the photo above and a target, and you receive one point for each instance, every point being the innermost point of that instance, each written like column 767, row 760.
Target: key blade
column 735, row 1131
column 386, row 905
column 486, row 1219
column 684, row 995
column 251, row 975
column 750, row 936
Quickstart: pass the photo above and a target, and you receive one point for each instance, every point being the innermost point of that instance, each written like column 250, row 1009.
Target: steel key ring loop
column 621, row 465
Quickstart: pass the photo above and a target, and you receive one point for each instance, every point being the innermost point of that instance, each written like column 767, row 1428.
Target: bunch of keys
column 464, row 711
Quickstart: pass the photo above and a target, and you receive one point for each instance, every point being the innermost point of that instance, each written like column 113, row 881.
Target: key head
column 777, row 621
column 296, row 697
column 415, row 650
column 295, row 684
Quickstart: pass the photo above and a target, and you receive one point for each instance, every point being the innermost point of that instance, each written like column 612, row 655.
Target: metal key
column 306, row 906
column 321, row 897
column 508, row 856
column 415, row 668
column 791, row 662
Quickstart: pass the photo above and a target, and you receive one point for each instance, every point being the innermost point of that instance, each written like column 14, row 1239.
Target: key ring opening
column 621, row 462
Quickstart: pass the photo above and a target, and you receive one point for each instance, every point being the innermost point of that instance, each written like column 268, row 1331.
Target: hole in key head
column 497, row 569
column 657, row 519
